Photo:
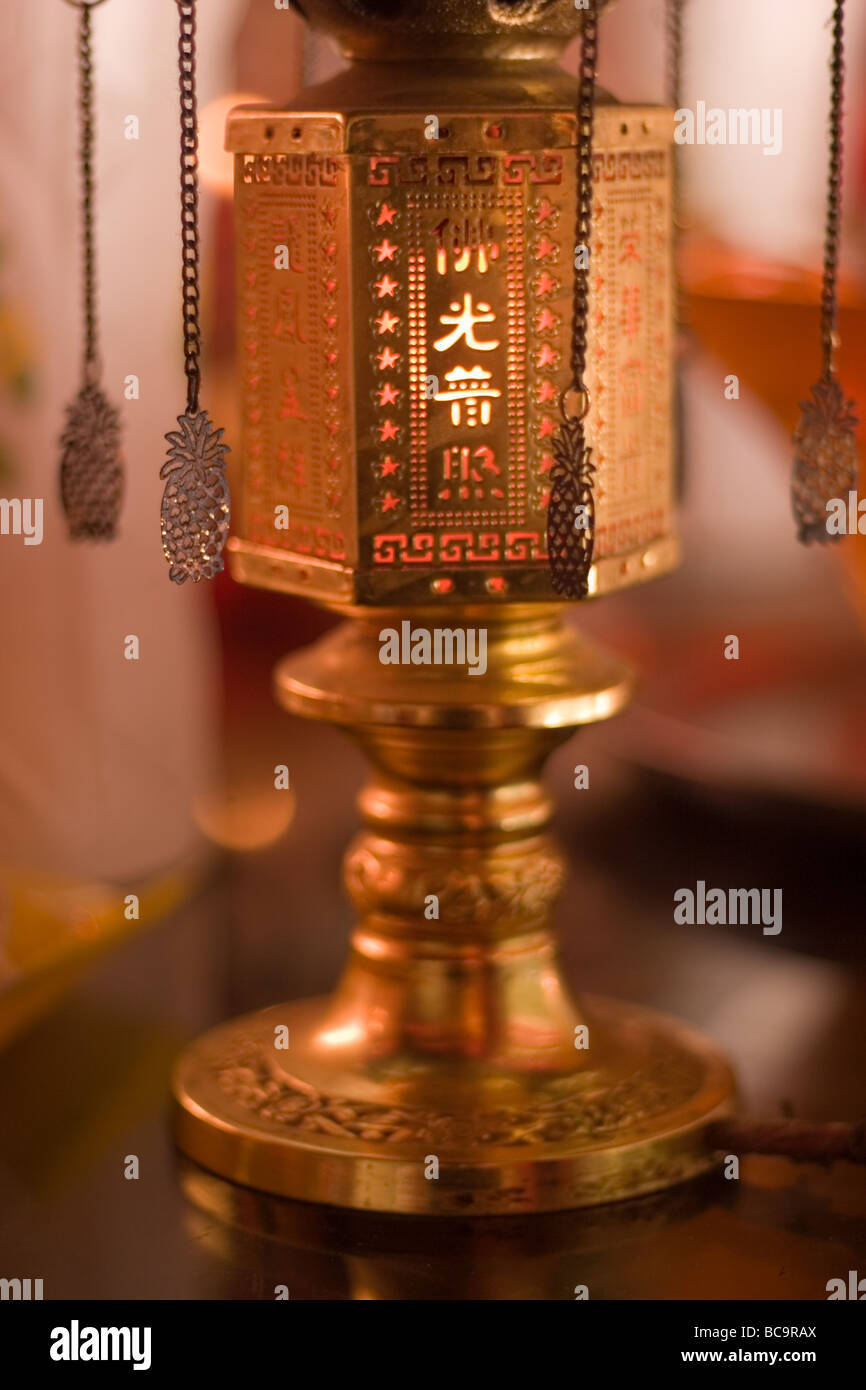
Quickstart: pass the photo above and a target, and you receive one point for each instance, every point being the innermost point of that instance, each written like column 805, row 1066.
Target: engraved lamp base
column 323, row 1130
column 452, row 1071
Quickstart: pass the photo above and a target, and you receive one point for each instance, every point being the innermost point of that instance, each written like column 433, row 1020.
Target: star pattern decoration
column 387, row 392
column 544, row 212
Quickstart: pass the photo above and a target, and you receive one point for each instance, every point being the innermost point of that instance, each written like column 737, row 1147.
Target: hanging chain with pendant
column 91, row 474
column 571, row 510
column 195, row 501
column 825, row 461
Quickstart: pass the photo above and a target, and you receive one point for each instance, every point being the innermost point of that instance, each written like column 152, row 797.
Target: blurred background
column 155, row 777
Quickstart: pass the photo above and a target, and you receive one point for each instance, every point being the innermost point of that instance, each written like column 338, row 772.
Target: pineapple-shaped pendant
column 91, row 474
column 825, row 462
column 195, row 501
column 825, row 459
column 571, row 511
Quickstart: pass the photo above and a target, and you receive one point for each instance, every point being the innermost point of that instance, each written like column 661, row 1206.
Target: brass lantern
column 406, row 257
column 405, row 276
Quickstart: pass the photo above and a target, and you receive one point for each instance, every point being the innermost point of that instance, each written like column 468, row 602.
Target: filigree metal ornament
column 91, row 476
column 825, row 463
column 571, row 510
column 91, row 472
column 195, row 503
column 571, row 514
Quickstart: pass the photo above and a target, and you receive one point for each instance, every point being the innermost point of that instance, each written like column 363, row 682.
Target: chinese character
column 290, row 406
column 457, row 465
column 465, row 321
column 630, row 315
column 631, row 395
column 287, row 317
column 469, row 387
column 472, row 236
column 629, row 241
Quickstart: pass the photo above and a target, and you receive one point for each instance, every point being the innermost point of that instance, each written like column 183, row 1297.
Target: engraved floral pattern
column 254, row 1079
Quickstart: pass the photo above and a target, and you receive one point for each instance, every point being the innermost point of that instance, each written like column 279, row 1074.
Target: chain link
column 674, row 52
column 86, row 140
column 189, row 201
column 834, row 196
column 675, row 99
column 585, row 116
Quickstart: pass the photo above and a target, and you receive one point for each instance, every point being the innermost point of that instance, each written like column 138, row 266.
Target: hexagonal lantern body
column 405, row 267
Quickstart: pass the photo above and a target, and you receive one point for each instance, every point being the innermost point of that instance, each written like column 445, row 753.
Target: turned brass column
column 452, row 1035
column 405, row 274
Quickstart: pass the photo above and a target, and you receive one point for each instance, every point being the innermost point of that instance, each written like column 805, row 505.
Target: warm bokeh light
column 245, row 817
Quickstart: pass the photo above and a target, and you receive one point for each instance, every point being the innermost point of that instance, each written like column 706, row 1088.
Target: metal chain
column 674, row 51
column 585, row 116
column 826, row 461
column 86, row 139
column 189, row 202
column 571, row 508
column 684, row 341
column 674, row 97
column 829, row 304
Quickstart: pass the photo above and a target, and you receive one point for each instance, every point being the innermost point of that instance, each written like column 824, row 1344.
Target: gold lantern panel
column 405, row 288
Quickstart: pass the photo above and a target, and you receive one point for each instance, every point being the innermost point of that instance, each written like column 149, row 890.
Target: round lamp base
column 435, row 1136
